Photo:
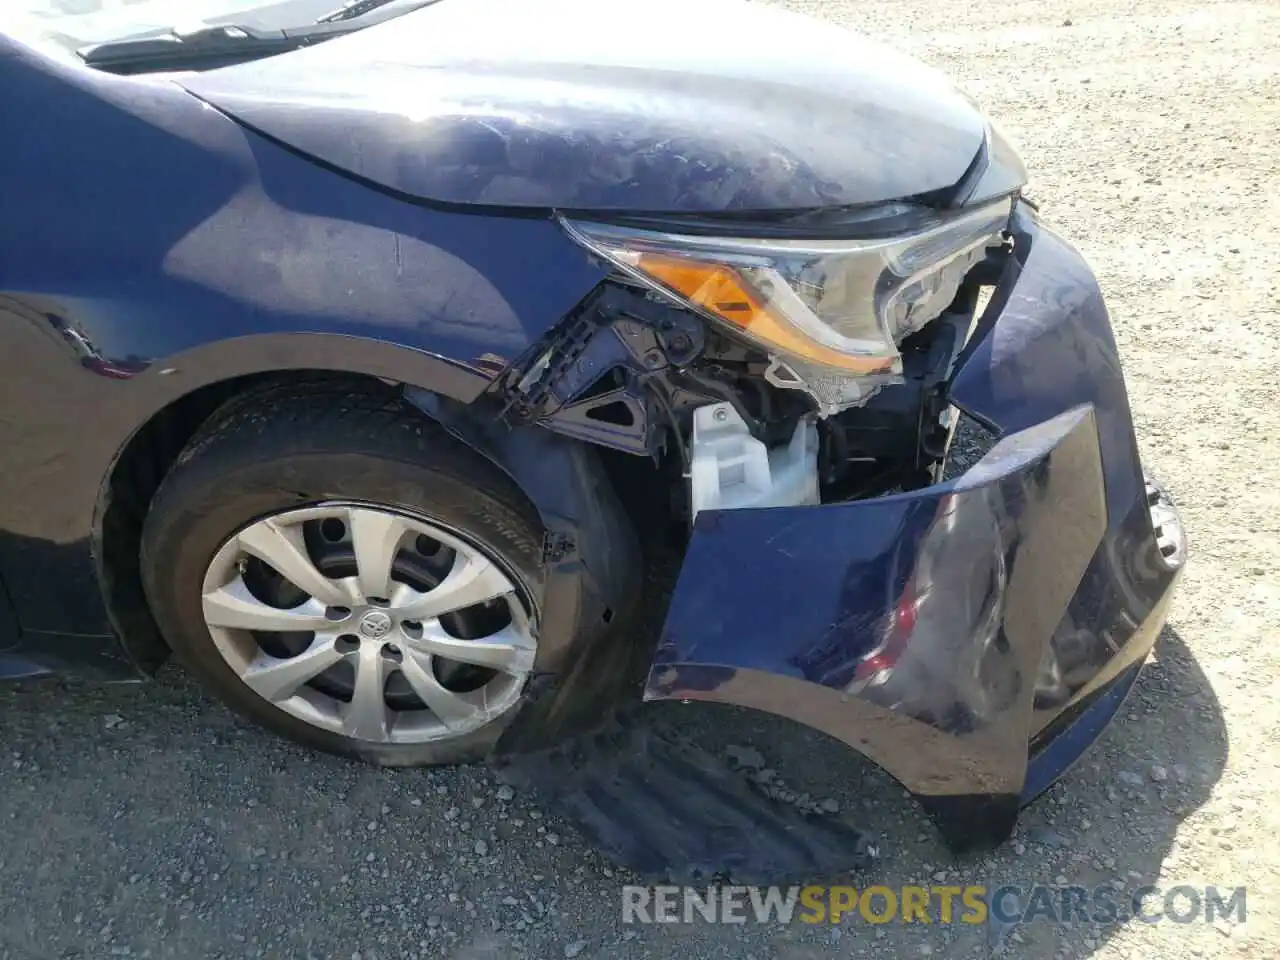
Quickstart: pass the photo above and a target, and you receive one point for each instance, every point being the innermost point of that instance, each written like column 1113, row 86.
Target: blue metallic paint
column 991, row 559
column 1060, row 501
column 672, row 107
column 156, row 247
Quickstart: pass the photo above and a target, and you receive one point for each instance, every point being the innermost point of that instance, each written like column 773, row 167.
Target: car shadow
column 77, row 753
column 1112, row 819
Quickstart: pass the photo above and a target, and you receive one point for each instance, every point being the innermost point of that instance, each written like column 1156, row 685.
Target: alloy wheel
column 370, row 623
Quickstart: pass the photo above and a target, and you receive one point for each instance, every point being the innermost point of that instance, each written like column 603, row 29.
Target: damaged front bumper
column 971, row 637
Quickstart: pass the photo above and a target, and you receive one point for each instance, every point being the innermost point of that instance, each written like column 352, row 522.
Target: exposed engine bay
column 635, row 372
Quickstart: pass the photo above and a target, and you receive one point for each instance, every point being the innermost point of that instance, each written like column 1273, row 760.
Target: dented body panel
column 579, row 106
column 386, row 205
column 939, row 631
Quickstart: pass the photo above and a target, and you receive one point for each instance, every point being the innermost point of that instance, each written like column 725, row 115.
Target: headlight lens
column 830, row 313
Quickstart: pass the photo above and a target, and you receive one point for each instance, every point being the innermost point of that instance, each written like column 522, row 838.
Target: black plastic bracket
column 592, row 382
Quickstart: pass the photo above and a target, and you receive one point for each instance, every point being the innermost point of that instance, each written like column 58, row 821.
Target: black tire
column 301, row 443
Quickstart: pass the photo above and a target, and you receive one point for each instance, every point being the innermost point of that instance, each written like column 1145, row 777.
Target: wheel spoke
column 367, row 623
column 454, row 710
column 277, row 679
column 472, row 580
column 375, row 537
column 508, row 650
column 366, row 717
column 235, row 608
column 283, row 548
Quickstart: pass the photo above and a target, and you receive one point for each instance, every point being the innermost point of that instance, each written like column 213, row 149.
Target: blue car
column 374, row 360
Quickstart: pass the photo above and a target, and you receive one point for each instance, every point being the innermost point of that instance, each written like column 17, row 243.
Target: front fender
column 156, row 246
column 181, row 228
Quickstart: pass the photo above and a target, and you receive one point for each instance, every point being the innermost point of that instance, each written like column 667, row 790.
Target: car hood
column 688, row 106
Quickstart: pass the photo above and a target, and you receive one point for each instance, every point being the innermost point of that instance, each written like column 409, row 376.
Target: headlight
column 830, row 313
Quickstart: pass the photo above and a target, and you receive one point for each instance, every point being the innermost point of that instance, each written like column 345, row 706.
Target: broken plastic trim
column 600, row 377
column 831, row 392
column 591, row 559
column 830, row 314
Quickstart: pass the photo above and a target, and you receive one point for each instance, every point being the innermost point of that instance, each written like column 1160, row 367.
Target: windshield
column 72, row 24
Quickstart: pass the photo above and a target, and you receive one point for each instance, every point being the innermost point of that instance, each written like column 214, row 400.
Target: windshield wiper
column 353, row 9
column 221, row 45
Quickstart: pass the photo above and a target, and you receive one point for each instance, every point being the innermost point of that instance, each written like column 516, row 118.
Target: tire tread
column 301, row 441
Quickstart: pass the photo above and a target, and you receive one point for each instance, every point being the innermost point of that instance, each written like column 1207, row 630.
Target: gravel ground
column 146, row 820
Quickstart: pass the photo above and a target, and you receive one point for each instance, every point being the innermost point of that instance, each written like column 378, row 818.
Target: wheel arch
column 173, row 396
column 592, row 563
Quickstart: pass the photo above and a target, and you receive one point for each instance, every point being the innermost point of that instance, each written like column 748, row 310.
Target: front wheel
column 339, row 569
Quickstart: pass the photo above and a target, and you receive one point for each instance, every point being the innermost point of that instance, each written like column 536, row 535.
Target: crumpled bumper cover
column 972, row 637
